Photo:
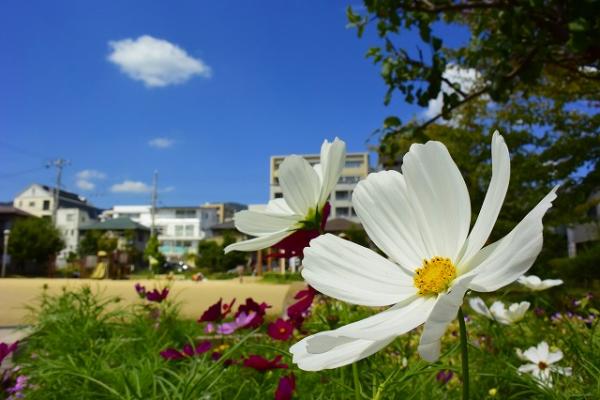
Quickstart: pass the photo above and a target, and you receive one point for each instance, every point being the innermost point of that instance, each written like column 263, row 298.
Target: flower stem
column 356, row 381
column 464, row 354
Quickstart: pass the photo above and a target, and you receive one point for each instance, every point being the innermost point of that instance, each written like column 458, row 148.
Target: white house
column 179, row 229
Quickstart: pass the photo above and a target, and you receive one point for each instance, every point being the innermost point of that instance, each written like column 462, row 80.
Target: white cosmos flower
column 535, row 284
column 420, row 218
column 541, row 361
column 305, row 192
column 479, row 306
column 498, row 310
column 514, row 313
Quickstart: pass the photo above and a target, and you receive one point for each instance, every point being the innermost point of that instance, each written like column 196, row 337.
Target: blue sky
column 254, row 79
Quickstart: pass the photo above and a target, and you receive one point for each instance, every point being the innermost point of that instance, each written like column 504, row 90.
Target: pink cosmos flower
column 241, row 321
column 258, row 309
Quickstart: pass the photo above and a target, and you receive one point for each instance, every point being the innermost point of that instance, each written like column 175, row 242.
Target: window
column 342, row 212
column 349, row 179
column 185, row 213
column 189, row 230
column 160, row 229
column 278, row 195
column 276, row 181
column 129, row 215
column 32, row 204
column 342, row 195
column 46, row 205
column 69, row 217
column 353, row 164
column 178, row 230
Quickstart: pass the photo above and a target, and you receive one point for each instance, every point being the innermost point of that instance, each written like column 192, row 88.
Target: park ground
column 17, row 295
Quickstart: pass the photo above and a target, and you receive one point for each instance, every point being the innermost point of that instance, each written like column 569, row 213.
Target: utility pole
column 153, row 208
column 59, row 164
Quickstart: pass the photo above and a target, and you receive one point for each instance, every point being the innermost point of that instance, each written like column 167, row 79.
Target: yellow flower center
column 434, row 276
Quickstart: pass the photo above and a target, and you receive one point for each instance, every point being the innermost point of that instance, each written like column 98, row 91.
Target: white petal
column 397, row 320
column 532, row 354
column 438, row 195
column 299, row 183
column 352, row 273
column 443, row 312
column 528, row 368
column 554, row 356
column 543, row 351
column 498, row 310
column 258, row 243
column 567, row 371
column 478, row 305
column 257, row 223
column 493, row 198
column 279, row 206
column 381, row 202
column 333, row 159
column 321, row 351
column 514, row 254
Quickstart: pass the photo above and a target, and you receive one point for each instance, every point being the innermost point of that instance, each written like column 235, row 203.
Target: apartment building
column 69, row 222
column 179, row 229
column 225, row 211
column 355, row 169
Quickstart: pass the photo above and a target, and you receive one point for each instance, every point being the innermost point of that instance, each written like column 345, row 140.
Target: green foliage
column 88, row 245
column 581, row 270
column 211, row 255
column 34, row 239
column 84, row 346
column 153, row 250
column 538, row 63
column 233, row 258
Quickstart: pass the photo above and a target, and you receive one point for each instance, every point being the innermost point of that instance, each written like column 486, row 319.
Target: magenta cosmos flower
column 280, row 329
column 157, row 296
column 286, row 387
column 6, row 349
column 260, row 363
column 187, row 351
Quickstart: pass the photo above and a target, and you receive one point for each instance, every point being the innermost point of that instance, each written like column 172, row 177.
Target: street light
column 5, row 252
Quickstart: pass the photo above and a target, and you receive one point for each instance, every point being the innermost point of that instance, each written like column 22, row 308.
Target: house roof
column 116, row 224
column 225, row 226
column 10, row 210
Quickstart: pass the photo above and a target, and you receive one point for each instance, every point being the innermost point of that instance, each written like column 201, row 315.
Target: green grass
column 86, row 346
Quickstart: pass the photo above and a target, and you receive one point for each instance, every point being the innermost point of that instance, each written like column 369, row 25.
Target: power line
column 19, row 173
column 23, row 151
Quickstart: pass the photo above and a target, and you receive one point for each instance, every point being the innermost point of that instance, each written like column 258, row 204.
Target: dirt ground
column 194, row 297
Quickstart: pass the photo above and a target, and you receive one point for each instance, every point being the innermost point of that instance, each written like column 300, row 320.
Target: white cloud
column 130, row 187
column 161, row 143
column 91, row 174
column 465, row 78
column 156, row 62
column 86, row 178
column 85, row 185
